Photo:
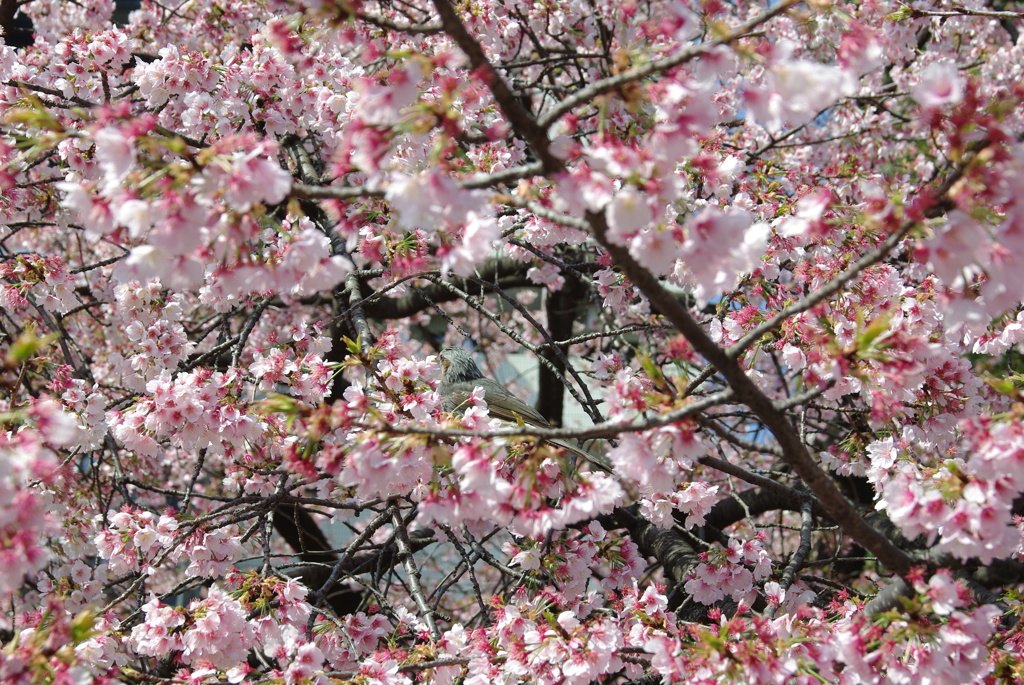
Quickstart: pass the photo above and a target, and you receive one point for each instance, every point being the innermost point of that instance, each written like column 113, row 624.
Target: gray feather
column 460, row 376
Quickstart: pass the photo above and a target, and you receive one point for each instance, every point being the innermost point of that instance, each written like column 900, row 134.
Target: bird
column 460, row 376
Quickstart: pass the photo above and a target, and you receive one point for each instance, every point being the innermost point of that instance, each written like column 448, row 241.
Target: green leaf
column 27, row 346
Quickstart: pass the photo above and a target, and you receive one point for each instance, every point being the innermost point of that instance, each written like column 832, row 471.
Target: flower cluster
column 762, row 255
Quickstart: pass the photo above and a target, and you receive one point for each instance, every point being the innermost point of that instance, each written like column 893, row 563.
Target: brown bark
column 563, row 309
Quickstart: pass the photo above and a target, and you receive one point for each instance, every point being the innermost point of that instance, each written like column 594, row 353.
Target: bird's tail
column 600, row 461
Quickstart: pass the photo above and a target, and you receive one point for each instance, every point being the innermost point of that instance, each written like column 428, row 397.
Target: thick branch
column 521, row 120
column 506, row 273
column 797, row 560
column 739, row 506
column 793, row 450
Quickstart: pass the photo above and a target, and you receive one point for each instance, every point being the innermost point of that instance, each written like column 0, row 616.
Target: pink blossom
column 383, row 105
column 655, row 249
column 136, row 215
column 940, row 85
column 479, row 235
column 256, row 178
column 882, row 453
column 210, row 215
column 427, row 200
column 547, row 274
column 382, row 673
column 158, row 635
column 955, row 248
column 809, row 211
column 714, row 270
column 146, row 262
column 696, row 500
column 946, row 594
column 795, row 90
column 94, row 212
column 115, row 153
column 306, row 265
column 220, row 635
column 860, row 50
column 628, row 212
column 308, row 658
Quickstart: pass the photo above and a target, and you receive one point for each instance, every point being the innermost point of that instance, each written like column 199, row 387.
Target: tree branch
column 521, row 120
column 793, row 450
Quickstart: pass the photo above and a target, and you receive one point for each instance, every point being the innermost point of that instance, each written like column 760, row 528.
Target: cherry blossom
column 940, row 85
column 764, row 261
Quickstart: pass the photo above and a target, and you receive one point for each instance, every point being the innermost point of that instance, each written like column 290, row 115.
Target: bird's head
column 457, row 365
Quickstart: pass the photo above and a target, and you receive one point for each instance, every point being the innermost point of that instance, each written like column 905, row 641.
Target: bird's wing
column 500, row 402
column 505, row 406
column 508, row 407
column 455, row 395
